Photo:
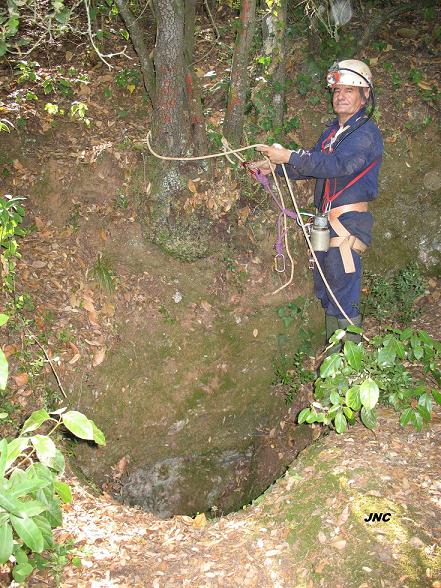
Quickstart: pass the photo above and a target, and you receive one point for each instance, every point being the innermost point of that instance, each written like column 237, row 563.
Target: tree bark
column 140, row 45
column 239, row 83
column 197, row 121
column 171, row 129
column 274, row 32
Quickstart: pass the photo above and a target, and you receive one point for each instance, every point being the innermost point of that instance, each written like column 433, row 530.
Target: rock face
column 408, row 210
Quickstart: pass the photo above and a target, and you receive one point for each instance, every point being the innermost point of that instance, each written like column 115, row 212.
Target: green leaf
column 6, row 543
column 53, row 511
column 4, row 370
column 63, row 490
column 9, row 504
column 330, row 366
column 36, row 419
column 15, row 448
column 20, row 554
column 354, row 354
column 303, row 415
column 369, row 394
column 353, row 398
column 21, row 571
column 341, row 424
column 337, row 336
column 348, row 413
column 3, row 456
column 386, row 356
column 46, row 530
column 27, row 530
column 405, row 334
column 417, row 420
column 98, row 435
column 26, row 486
column 424, row 413
column 312, row 417
column 368, row 418
column 418, row 352
column 45, row 448
column 3, row 319
column 436, row 396
column 396, row 345
column 354, row 329
column 334, row 397
column 78, row 424
column 31, row 508
column 406, row 417
column 58, row 462
column 426, row 401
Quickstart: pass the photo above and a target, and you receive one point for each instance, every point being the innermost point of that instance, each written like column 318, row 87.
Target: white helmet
column 349, row 72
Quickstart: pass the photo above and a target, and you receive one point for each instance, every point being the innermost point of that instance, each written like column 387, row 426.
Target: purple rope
column 265, row 183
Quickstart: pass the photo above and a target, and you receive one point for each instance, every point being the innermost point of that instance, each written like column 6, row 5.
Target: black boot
column 332, row 324
column 344, row 324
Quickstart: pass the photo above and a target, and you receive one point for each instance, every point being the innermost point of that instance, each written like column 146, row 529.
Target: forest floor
column 307, row 530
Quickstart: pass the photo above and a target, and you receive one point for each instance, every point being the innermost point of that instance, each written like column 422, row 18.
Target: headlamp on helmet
column 333, row 76
column 349, row 72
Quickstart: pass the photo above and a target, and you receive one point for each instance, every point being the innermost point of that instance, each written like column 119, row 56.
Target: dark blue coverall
column 355, row 153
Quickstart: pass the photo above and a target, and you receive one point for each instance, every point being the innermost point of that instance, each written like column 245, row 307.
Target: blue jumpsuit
column 358, row 151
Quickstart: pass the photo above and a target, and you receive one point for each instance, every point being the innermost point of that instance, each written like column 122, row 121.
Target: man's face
column 346, row 101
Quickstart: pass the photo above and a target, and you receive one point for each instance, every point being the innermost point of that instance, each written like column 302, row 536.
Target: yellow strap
column 345, row 244
column 345, row 241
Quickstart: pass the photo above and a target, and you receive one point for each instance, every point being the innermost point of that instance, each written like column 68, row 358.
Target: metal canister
column 320, row 233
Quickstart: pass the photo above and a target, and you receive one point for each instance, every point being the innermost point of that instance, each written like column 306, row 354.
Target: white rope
column 305, row 233
column 196, row 158
column 294, row 201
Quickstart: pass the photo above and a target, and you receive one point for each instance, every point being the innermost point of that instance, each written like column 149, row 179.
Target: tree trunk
column 197, row 121
column 164, row 220
column 139, row 43
column 274, row 32
column 171, row 129
column 234, row 116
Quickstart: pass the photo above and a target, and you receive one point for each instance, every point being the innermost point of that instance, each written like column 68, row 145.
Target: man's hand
column 264, row 166
column 275, row 153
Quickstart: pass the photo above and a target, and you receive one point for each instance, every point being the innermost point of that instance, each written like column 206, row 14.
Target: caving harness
column 344, row 240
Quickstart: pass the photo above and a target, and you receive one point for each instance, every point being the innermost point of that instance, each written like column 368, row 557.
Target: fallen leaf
column 340, row 544
column 206, row 305
column 74, row 359
column 322, row 537
column 88, row 305
column 192, row 186
column 343, row 517
column 9, row 350
column 21, row 379
column 255, row 333
column 39, row 223
column 99, row 357
column 93, row 319
column 200, row 521
column 108, row 309
column 424, row 86
column 94, row 343
column 74, row 347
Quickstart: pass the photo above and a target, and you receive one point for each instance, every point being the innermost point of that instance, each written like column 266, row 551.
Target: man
column 345, row 162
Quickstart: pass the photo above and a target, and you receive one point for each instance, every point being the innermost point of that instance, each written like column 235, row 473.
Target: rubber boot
column 344, row 324
column 332, row 324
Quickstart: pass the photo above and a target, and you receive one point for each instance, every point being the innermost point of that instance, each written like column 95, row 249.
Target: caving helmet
column 349, row 72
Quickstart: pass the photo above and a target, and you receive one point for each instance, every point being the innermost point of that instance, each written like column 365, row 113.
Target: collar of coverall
column 349, row 122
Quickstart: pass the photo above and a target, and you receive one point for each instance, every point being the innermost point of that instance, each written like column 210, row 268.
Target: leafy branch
column 354, row 381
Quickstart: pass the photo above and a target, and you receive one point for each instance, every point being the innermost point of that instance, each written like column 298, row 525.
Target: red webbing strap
column 327, row 199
